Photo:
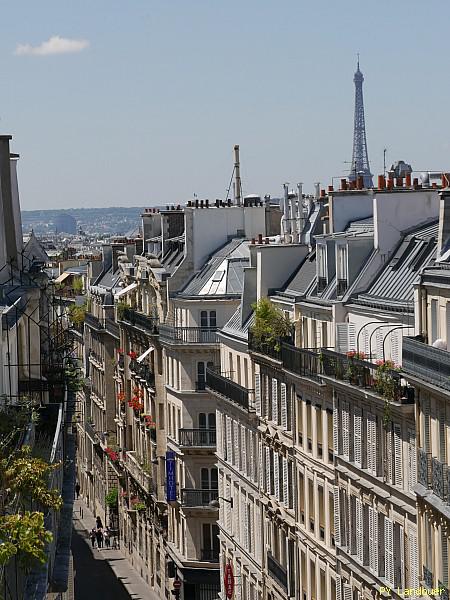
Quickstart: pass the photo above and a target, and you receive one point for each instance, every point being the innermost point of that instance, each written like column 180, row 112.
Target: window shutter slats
column 261, row 466
column 359, row 531
column 276, row 474
column 357, row 424
column 285, row 482
column 389, row 551
column 258, row 393
column 337, row 516
column 267, row 452
column 345, row 430
column 413, row 558
column 275, row 400
column 243, row 450
column 336, row 427
column 398, row 455
column 283, row 393
column 412, row 462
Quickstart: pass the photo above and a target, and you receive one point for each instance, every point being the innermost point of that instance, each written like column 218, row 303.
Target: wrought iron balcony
column 139, row 320
column 143, row 372
column 229, row 390
column 112, row 327
column 272, row 349
column 197, row 437
column 92, row 433
column 137, row 472
column 422, row 471
column 444, row 590
column 439, row 478
column 276, row 571
column 426, row 362
column 210, row 555
column 93, row 322
column 196, row 497
column 188, row 335
column 305, row 363
column 427, row 577
column 364, row 374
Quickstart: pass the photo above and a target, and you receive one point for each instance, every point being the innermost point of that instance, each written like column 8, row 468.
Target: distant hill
column 113, row 220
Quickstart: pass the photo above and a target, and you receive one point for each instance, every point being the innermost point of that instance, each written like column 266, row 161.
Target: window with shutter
column 398, row 455
column 401, row 574
column 346, row 430
column 337, row 516
column 251, row 462
column 285, row 482
column 267, row 456
column 338, row 587
column 243, row 450
column 413, row 552
column 237, row 454
column 351, row 337
column 369, row 445
column 373, row 540
column 434, row 321
column 347, row 592
column 276, row 475
column 379, row 343
column 359, row 531
column 341, row 344
column 227, row 507
column 275, row 400
column 357, row 439
column 444, row 554
column 389, row 455
column 261, row 466
column 389, row 551
column 229, row 448
column 258, row 393
column 412, row 459
column 336, row 426
column 283, row 394
column 395, row 346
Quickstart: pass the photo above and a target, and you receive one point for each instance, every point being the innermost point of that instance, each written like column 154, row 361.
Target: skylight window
column 218, row 276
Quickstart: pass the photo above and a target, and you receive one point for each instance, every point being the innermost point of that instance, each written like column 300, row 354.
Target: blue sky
column 147, row 109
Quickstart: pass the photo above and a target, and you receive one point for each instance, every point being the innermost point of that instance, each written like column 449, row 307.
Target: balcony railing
column 92, row 433
column 439, row 478
column 197, row 437
column 364, row 374
column 112, row 327
column 256, row 344
column 139, row 320
column 195, row 497
column 143, row 372
column 427, row 577
column 422, row 470
column 93, row 322
column 210, row 555
column 301, row 361
column 229, row 389
column 278, row 572
column 136, row 470
column 188, row 335
column 426, row 362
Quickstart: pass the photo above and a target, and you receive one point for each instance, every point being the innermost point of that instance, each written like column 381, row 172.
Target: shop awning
column 63, row 277
column 125, row 290
column 144, row 354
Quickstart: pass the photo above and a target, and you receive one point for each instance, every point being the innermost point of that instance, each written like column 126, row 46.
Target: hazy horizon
column 141, row 104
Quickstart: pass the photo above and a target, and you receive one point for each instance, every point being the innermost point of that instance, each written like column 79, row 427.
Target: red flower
column 120, row 351
column 132, row 355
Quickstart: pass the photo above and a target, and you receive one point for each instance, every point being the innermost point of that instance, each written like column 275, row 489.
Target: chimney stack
column 6, row 196
column 381, row 182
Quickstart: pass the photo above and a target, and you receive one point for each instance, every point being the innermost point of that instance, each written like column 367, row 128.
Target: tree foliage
column 77, row 314
column 23, row 535
column 271, row 325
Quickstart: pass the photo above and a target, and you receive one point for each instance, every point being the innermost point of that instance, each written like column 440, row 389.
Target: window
column 209, row 479
column 207, row 421
column 210, row 535
column 434, row 321
column 208, row 319
column 201, row 374
column 342, row 270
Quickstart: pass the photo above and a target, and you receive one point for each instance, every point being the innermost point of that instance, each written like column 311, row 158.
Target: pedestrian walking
column 77, row 490
column 106, row 537
column 99, row 536
column 98, row 523
column 93, row 536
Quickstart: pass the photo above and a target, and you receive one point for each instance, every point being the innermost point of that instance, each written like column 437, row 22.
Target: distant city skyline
column 140, row 105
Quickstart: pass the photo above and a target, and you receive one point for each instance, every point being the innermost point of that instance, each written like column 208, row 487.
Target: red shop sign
column 228, row 581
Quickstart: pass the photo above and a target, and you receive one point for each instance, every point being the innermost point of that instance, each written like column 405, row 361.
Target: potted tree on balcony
column 271, row 326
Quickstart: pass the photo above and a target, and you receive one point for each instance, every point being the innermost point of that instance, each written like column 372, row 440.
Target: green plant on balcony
column 271, row 326
column 147, row 468
column 112, row 498
column 355, row 372
column 77, row 314
column 77, row 285
column 386, row 384
column 122, row 307
column 139, row 506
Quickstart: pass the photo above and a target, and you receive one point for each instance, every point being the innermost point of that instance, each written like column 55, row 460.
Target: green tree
column 271, row 325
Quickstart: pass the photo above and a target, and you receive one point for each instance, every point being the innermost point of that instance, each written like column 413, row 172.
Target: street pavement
column 103, row 573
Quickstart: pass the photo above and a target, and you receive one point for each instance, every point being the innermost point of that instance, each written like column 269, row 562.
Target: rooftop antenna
column 384, row 162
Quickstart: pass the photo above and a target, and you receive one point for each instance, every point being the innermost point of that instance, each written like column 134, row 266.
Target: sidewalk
column 131, row 581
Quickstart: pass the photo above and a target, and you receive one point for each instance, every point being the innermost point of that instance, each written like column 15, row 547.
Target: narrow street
column 104, row 573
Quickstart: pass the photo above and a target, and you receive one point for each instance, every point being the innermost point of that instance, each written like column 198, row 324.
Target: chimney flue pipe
column 237, row 173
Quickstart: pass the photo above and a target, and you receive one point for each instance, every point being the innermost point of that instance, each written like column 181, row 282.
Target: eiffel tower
column 360, row 158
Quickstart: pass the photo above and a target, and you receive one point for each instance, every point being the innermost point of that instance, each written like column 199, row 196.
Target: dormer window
column 322, row 278
column 342, row 270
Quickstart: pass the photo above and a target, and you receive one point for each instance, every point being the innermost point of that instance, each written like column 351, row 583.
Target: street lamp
column 215, row 503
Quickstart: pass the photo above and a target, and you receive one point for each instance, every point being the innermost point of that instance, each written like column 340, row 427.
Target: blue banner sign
column 171, row 484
